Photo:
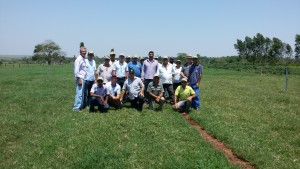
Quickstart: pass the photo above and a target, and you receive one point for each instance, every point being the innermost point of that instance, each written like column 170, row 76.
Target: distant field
column 250, row 113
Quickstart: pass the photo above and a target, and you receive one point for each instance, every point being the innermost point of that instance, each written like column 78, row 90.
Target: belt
column 121, row 77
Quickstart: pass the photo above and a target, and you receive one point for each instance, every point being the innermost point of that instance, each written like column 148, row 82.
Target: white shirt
column 120, row 69
column 166, row 73
column 90, row 69
column 177, row 77
column 133, row 87
column 113, row 90
column 80, row 68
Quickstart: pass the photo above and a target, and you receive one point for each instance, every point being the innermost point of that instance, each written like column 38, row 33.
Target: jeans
column 79, row 96
column 169, row 88
column 175, row 85
column 95, row 101
column 137, row 103
column 88, row 86
column 197, row 99
column 183, row 106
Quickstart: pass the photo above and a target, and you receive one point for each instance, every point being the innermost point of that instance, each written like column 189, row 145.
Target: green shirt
column 183, row 94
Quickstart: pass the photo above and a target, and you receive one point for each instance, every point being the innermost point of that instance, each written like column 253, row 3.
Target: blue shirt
column 137, row 67
column 194, row 73
column 90, row 66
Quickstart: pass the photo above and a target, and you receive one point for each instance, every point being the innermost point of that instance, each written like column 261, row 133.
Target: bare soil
column 220, row 146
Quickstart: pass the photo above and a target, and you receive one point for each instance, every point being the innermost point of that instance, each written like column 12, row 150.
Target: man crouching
column 99, row 96
column 113, row 92
column 156, row 91
column 183, row 97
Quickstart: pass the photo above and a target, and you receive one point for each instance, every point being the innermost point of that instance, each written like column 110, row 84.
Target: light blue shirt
column 90, row 69
column 120, row 69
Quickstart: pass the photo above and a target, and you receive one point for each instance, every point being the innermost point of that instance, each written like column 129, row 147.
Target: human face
column 90, row 57
column 112, row 56
column 106, row 61
column 151, row 56
column 195, row 60
column 183, row 83
column 113, row 79
column 121, row 58
column 165, row 61
column 155, row 80
column 131, row 75
column 100, row 82
column 135, row 59
column 189, row 60
column 83, row 52
column 127, row 60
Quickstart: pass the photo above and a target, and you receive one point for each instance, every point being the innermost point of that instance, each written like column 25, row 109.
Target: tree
column 47, row 51
column 297, row 47
column 276, row 50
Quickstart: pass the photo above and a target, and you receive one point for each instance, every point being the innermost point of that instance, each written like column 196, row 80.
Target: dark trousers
column 95, row 101
column 184, row 106
column 137, row 103
column 175, row 85
column 121, row 81
column 146, row 83
column 88, row 86
column 169, row 89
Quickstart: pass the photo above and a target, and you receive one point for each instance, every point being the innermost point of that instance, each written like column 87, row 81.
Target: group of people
column 115, row 82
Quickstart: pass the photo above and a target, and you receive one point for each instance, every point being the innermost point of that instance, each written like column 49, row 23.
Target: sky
column 206, row 27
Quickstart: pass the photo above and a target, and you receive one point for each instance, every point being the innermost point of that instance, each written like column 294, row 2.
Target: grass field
column 250, row 113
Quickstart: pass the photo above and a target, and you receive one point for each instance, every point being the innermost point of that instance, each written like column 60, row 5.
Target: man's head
column 113, row 79
column 189, row 58
column 151, row 55
column 127, row 59
column 112, row 55
column 195, row 59
column 135, row 58
column 82, row 51
column 156, row 79
column 121, row 57
column 178, row 63
column 100, row 81
column 90, row 55
column 165, row 60
column 107, row 59
column 171, row 60
column 184, row 82
column 131, row 74
column 142, row 60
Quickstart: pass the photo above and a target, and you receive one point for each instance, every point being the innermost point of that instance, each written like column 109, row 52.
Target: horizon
column 133, row 27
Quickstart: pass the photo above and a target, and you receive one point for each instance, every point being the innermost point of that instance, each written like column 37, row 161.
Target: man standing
column 112, row 57
column 195, row 75
column 120, row 69
column 80, row 77
column 149, row 68
column 135, row 65
column 177, row 76
column 99, row 96
column 156, row 91
column 91, row 71
column 186, row 67
column 166, row 74
column 127, row 59
column 105, row 70
column 135, row 88
column 113, row 92
column 183, row 97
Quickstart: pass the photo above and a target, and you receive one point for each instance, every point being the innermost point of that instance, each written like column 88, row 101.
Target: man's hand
column 157, row 99
column 197, row 84
column 174, row 106
column 142, row 94
column 189, row 98
column 79, row 82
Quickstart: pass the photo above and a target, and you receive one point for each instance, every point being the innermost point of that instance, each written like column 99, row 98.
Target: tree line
column 265, row 50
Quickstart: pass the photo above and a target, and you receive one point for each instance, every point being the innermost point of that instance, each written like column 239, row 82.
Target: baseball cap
column 184, row 80
column 156, row 75
column 134, row 56
column 100, row 78
column 195, row 57
column 131, row 71
column 178, row 61
column 91, row 53
column 189, row 56
column 122, row 54
column 165, row 57
column 107, row 57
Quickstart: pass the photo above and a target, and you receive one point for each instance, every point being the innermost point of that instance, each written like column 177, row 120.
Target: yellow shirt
column 183, row 93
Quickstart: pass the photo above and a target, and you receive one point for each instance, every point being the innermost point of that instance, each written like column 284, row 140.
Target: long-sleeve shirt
column 80, row 68
column 149, row 69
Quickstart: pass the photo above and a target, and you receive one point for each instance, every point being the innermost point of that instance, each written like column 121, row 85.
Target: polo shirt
column 113, row 90
column 102, row 91
column 149, row 69
column 120, row 68
column 155, row 89
column 105, row 72
column 182, row 93
column 137, row 67
column 194, row 71
column 133, row 87
column 166, row 73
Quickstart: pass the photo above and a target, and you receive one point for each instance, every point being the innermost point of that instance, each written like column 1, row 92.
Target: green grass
column 39, row 130
column 253, row 115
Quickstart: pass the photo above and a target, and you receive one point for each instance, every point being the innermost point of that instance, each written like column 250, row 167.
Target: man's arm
column 122, row 94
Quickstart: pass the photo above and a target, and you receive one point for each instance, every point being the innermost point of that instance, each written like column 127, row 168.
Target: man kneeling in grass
column 156, row 91
column 183, row 97
column 113, row 92
column 99, row 96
